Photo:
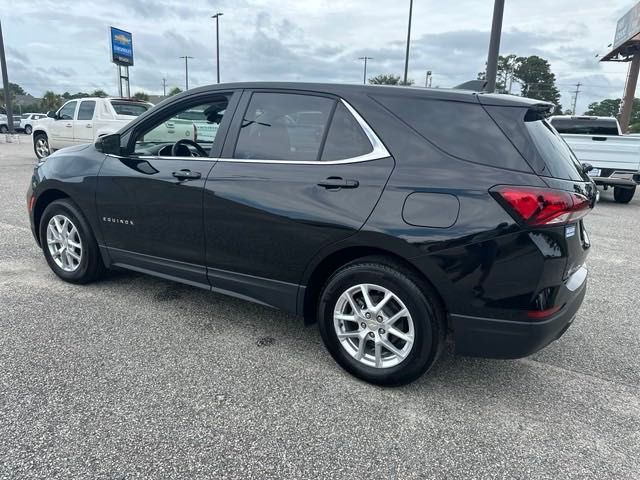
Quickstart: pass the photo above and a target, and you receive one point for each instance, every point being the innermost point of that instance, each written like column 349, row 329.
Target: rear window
column 560, row 160
column 463, row 130
column 132, row 109
column 586, row 126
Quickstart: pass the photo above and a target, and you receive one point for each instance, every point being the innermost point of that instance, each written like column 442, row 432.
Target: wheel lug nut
column 379, row 318
column 363, row 325
column 371, row 334
column 381, row 331
column 367, row 315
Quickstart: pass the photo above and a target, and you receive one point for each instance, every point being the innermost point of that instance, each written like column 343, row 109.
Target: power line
column 364, row 76
column 575, row 97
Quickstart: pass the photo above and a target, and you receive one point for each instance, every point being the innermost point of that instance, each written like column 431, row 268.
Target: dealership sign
column 121, row 47
column 628, row 26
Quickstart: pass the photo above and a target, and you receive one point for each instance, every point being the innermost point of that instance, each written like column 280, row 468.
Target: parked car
column 83, row 120
column 4, row 124
column 392, row 216
column 28, row 120
column 599, row 142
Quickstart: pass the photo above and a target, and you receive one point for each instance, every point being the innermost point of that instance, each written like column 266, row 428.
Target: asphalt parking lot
column 136, row 377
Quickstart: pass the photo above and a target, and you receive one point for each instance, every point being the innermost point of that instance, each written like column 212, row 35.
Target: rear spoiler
column 473, row 85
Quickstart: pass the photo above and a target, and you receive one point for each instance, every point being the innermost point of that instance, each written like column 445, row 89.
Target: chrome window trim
column 378, row 152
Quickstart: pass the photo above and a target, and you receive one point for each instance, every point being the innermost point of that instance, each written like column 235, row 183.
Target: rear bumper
column 619, row 178
column 492, row 338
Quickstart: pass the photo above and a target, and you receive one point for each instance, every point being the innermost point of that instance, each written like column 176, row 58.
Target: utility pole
column 186, row 71
column 629, row 92
column 575, row 97
column 428, row 78
column 364, row 76
column 494, row 45
column 217, row 17
column 5, row 82
column 164, row 87
column 406, row 57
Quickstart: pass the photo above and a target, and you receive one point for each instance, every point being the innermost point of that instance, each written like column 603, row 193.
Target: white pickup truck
column 83, row 120
column 599, row 142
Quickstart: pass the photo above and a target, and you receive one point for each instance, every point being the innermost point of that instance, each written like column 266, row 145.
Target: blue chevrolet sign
column 121, row 47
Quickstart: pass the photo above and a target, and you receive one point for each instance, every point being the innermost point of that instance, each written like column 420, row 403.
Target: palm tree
column 50, row 101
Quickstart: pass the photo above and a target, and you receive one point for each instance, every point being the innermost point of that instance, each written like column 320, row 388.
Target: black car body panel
column 262, row 230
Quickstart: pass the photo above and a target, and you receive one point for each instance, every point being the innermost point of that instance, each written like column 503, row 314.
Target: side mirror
column 587, row 167
column 109, row 144
column 52, row 114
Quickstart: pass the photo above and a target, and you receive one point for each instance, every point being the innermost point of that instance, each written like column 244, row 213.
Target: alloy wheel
column 64, row 243
column 42, row 147
column 373, row 325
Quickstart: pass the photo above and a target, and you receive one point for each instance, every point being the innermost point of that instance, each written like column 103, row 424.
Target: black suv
column 391, row 216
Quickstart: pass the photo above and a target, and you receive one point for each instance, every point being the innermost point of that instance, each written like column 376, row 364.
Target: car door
column 150, row 199
column 299, row 171
column 83, row 126
column 61, row 128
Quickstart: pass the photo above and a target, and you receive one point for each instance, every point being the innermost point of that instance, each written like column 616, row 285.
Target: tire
column 28, row 129
column 41, row 145
column 623, row 195
column 89, row 267
column 4, row 129
column 425, row 314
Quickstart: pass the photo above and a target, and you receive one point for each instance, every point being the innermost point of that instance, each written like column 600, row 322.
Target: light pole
column 364, row 76
column 186, row 71
column 5, row 82
column 217, row 17
column 494, row 45
column 406, row 57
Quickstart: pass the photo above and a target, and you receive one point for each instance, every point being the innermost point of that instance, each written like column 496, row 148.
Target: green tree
column 50, row 101
column 99, row 93
column 537, row 80
column 141, row 96
column 505, row 73
column 174, row 91
column 14, row 89
column 388, row 79
column 609, row 107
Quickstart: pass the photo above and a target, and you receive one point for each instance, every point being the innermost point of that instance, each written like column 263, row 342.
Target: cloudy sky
column 63, row 44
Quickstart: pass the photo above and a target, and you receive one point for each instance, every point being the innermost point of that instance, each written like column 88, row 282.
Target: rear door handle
column 186, row 175
column 338, row 182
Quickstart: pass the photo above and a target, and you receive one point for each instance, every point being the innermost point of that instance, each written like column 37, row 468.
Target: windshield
column 559, row 158
column 586, row 126
column 132, row 109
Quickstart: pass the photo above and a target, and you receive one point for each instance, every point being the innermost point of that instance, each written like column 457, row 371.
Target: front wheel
column 40, row 145
column 68, row 243
column 380, row 322
column 623, row 195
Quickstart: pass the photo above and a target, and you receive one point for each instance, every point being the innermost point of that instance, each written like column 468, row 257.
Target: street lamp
column 406, row 58
column 186, row 71
column 217, row 17
column 364, row 77
column 494, row 45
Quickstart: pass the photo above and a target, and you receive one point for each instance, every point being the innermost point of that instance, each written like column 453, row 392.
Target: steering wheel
column 185, row 141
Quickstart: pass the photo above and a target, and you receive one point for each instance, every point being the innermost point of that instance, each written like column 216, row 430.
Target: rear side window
column 560, row 160
column 586, row 126
column 283, row 126
column 461, row 129
column 345, row 138
column 85, row 112
column 132, row 109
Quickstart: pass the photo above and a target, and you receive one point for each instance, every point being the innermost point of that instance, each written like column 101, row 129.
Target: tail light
column 541, row 206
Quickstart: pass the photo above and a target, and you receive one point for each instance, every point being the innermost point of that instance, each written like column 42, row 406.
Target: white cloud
column 66, row 48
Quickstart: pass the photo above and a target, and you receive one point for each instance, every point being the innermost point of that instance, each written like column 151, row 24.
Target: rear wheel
column 623, row 195
column 4, row 129
column 41, row 145
column 28, row 129
column 68, row 243
column 380, row 322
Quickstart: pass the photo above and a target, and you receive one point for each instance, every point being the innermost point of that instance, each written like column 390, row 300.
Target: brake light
column 541, row 206
column 543, row 314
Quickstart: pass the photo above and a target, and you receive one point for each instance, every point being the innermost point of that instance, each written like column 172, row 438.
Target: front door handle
column 186, row 175
column 338, row 182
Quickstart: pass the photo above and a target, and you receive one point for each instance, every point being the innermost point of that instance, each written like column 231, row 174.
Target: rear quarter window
column 463, row 130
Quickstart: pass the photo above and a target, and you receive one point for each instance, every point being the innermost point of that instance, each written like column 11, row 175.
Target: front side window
column 85, row 112
column 67, row 111
column 188, row 132
column 283, row 126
